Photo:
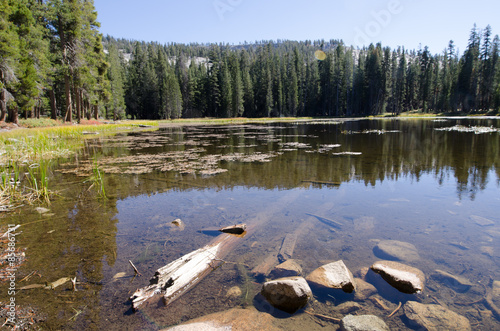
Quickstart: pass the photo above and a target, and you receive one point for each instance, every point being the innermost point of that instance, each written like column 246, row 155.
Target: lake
column 432, row 183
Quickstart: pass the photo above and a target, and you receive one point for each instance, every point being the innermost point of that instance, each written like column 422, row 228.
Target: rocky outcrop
column 363, row 323
column 333, row 275
column 404, row 278
column 434, row 317
column 288, row 294
column 396, row 250
column 288, row 268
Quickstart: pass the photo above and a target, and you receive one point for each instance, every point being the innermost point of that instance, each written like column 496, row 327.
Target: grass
column 97, row 180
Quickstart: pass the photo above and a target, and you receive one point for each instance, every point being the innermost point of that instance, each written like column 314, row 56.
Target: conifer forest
column 54, row 62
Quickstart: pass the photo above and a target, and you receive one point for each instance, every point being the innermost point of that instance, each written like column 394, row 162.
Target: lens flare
column 320, row 55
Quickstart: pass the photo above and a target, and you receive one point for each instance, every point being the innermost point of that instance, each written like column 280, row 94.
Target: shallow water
column 389, row 179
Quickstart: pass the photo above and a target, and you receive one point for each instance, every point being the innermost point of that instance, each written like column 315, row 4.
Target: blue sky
column 395, row 23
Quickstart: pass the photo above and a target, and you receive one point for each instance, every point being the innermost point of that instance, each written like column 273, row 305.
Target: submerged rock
column 348, row 307
column 459, row 284
column 363, row 290
column 404, row 278
column 248, row 319
column 288, row 294
column 42, row 210
column 481, row 221
column 396, row 250
column 333, row 275
column 288, row 268
column 434, row 317
column 233, row 292
column 363, row 323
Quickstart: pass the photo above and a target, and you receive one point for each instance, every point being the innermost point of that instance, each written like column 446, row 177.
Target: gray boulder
column 288, row 294
column 334, row 275
column 363, row 323
column 404, row 278
column 434, row 317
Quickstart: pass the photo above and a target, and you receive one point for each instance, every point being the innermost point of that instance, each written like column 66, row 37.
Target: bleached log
column 179, row 276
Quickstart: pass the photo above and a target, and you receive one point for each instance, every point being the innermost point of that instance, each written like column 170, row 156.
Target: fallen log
column 177, row 277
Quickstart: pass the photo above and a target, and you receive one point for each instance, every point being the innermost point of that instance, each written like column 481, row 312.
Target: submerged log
column 179, row 276
column 327, row 221
column 287, row 247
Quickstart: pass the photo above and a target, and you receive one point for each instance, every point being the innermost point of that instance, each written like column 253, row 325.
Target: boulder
column 396, row 250
column 404, row 278
column 363, row 323
column 363, row 290
column 457, row 283
column 288, row 294
column 289, row 268
column 434, row 317
column 334, row 275
column 248, row 319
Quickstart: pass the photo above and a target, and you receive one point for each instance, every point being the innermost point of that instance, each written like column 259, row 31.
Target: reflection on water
column 379, row 179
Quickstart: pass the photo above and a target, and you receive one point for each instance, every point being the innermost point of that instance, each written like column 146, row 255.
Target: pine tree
column 116, row 105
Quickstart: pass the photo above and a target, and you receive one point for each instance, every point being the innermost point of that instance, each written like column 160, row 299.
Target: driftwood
column 234, row 229
column 179, row 276
column 327, row 221
column 287, row 247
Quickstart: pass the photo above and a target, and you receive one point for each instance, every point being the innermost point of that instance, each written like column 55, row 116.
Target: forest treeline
column 55, row 62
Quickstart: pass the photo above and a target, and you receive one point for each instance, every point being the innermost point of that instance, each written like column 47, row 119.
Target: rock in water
column 333, row 275
column 404, row 278
column 363, row 290
column 434, row 317
column 396, row 250
column 459, row 284
column 363, row 323
column 481, row 221
column 248, row 319
column 42, row 210
column 288, row 294
column 288, row 268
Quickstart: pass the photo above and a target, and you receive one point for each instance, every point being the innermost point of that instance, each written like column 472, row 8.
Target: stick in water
column 135, row 269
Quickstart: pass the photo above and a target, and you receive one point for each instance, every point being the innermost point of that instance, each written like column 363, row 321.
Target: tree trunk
column 13, row 115
column 3, row 105
column 96, row 112
column 53, row 106
column 78, row 105
column 69, row 110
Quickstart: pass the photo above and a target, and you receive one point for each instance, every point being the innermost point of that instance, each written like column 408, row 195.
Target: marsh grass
column 97, row 180
column 25, row 155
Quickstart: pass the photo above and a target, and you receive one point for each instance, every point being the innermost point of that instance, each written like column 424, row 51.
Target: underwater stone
column 434, row 317
column 362, row 323
column 288, row 294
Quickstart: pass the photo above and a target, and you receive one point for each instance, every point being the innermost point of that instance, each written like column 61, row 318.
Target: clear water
column 406, row 181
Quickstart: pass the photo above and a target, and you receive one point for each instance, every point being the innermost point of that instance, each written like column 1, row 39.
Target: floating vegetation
column 294, row 145
column 474, row 129
column 370, row 131
column 380, row 131
column 327, row 148
column 347, row 153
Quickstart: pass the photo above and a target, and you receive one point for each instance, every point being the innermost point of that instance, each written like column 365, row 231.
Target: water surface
column 380, row 179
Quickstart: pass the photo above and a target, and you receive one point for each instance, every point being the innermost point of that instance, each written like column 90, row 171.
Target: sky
column 408, row 23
